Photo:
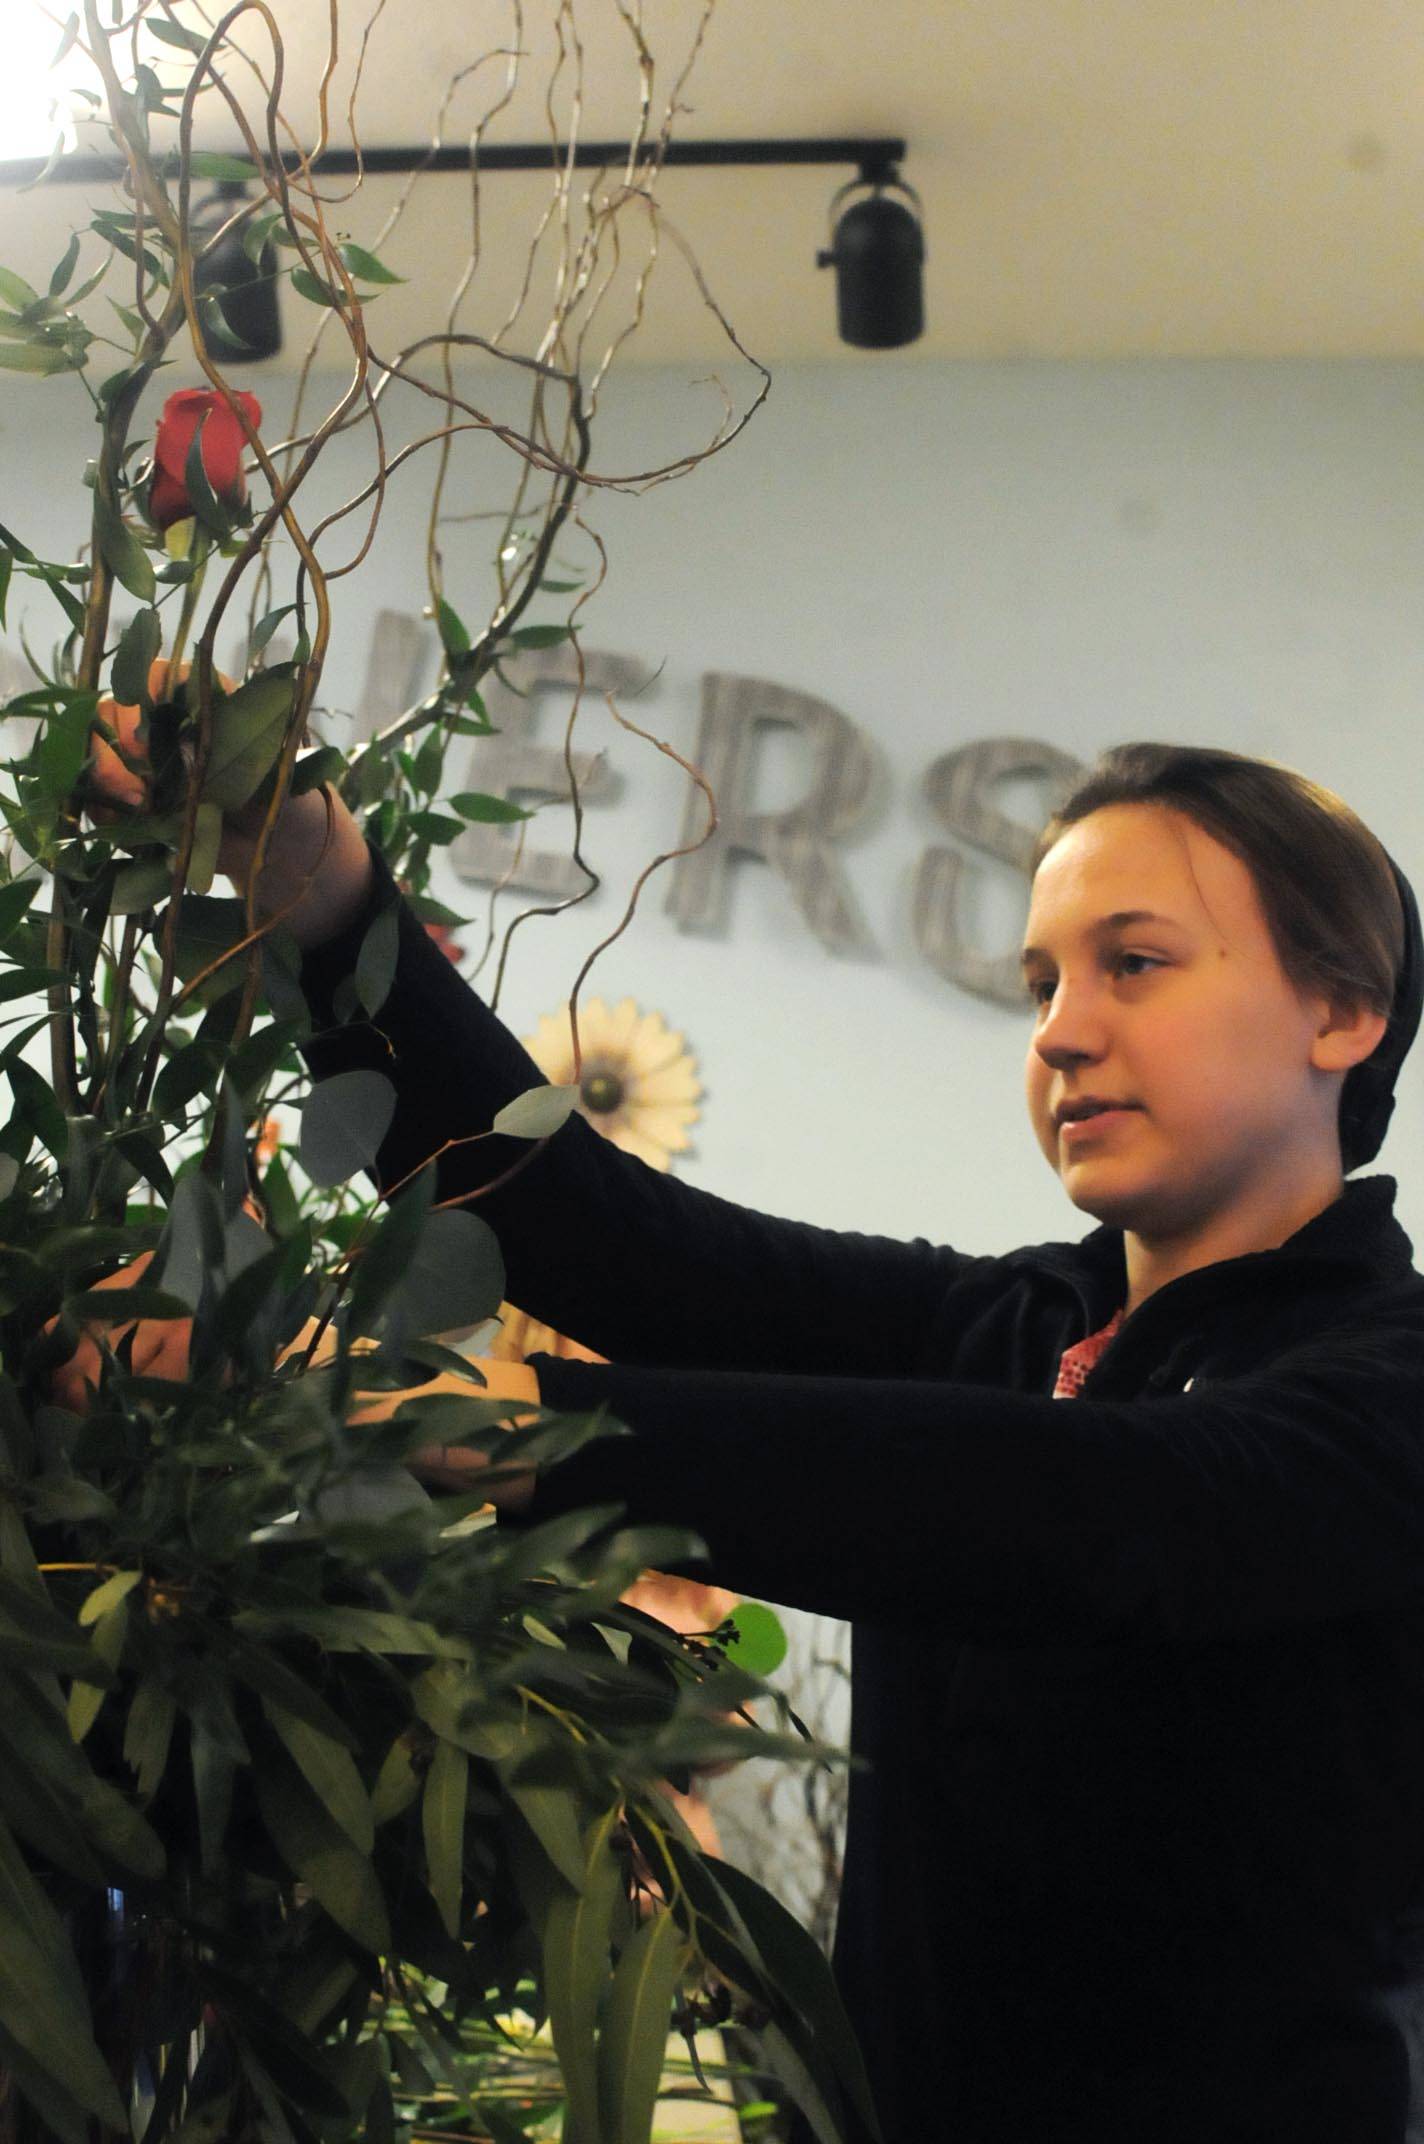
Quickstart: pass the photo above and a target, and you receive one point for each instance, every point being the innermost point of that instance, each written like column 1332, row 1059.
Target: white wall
column 1221, row 552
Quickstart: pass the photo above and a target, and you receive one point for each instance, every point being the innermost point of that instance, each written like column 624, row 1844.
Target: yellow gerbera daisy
column 639, row 1083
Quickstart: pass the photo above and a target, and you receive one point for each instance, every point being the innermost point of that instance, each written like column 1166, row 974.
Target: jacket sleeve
column 605, row 1249
column 1289, row 1496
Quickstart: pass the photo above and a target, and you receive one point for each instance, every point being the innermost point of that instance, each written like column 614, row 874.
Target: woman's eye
column 1133, row 964
column 1040, row 990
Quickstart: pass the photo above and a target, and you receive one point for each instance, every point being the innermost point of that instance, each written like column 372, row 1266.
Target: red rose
column 224, row 444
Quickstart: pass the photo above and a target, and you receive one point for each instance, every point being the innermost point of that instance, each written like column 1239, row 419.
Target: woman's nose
column 1071, row 1032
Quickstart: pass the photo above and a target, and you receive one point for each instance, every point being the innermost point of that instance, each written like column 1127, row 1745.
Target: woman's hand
column 160, row 1347
column 454, row 1467
column 316, row 872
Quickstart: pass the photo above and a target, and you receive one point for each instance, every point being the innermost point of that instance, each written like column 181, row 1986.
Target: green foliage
column 536, row 1114
column 329, row 1775
column 249, row 727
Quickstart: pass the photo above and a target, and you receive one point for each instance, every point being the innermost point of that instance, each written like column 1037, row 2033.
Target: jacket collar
column 1356, row 1237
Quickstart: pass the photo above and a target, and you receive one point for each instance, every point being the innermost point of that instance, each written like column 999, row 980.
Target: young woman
column 1137, row 1851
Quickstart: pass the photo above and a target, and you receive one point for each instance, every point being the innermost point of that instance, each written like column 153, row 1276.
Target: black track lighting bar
column 875, row 156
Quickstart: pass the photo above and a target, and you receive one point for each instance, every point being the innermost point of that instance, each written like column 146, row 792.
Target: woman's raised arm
column 631, row 1262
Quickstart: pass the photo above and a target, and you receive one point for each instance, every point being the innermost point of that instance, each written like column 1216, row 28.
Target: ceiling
column 1100, row 178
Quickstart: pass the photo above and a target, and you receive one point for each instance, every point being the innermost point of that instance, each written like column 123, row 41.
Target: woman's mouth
column 1099, row 1122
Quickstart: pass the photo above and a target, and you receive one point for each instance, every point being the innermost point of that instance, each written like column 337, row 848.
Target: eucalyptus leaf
column 249, row 727
column 575, row 1941
column 28, row 982
column 320, row 1854
column 122, row 552
column 365, row 266
column 14, row 901
column 267, row 625
column 633, row 2046
column 212, row 164
column 357, row 1630
column 344, row 1120
column 35, row 1724
column 329, row 1771
column 106, row 1596
column 442, row 1814
column 203, row 857
column 44, row 359
column 35, row 1101
column 85, row 1698
column 138, row 645
column 803, row 1976
column 314, row 770
column 43, row 1824
column 305, row 284
column 453, row 1280
column 63, row 274
column 267, row 1673
column 375, row 1498
column 42, row 2002
column 61, row 2114
column 397, row 1782
column 552, row 1814
column 174, row 33
column 13, row 288
column 454, row 634
column 140, row 886
column 484, row 810
column 258, row 236
column 376, row 962
column 204, row 504
column 148, row 1735
column 191, row 1247
column 190, row 1072
column 63, row 744
column 537, row 1112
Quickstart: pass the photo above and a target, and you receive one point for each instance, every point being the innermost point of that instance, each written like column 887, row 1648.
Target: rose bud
column 224, row 444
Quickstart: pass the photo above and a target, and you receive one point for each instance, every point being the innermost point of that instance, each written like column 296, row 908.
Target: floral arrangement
column 311, row 1780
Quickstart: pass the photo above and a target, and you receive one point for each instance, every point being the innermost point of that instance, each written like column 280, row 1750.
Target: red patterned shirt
column 1076, row 1361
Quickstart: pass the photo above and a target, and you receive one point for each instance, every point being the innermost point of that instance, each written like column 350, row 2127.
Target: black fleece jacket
column 1138, row 1852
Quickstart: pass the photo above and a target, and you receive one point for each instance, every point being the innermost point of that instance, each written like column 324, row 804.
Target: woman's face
column 1157, row 989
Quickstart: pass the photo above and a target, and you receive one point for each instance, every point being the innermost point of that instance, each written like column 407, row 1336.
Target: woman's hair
column 1325, row 884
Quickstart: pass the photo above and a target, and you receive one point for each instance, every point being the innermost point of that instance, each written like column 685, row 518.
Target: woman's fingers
column 161, row 1348
column 72, row 1384
column 447, row 1466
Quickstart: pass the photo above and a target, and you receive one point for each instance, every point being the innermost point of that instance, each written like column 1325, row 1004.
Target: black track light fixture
column 877, row 240
column 878, row 252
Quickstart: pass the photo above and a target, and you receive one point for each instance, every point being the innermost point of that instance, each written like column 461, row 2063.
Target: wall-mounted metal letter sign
column 959, row 786
column 401, row 647
column 796, row 843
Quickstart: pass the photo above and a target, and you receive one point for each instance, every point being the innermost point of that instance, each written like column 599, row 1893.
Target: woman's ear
column 1348, row 1033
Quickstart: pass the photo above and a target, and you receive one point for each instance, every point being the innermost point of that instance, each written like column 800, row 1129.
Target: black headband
column 1367, row 1103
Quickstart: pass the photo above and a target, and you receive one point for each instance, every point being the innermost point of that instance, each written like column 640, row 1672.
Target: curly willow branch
column 583, row 253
